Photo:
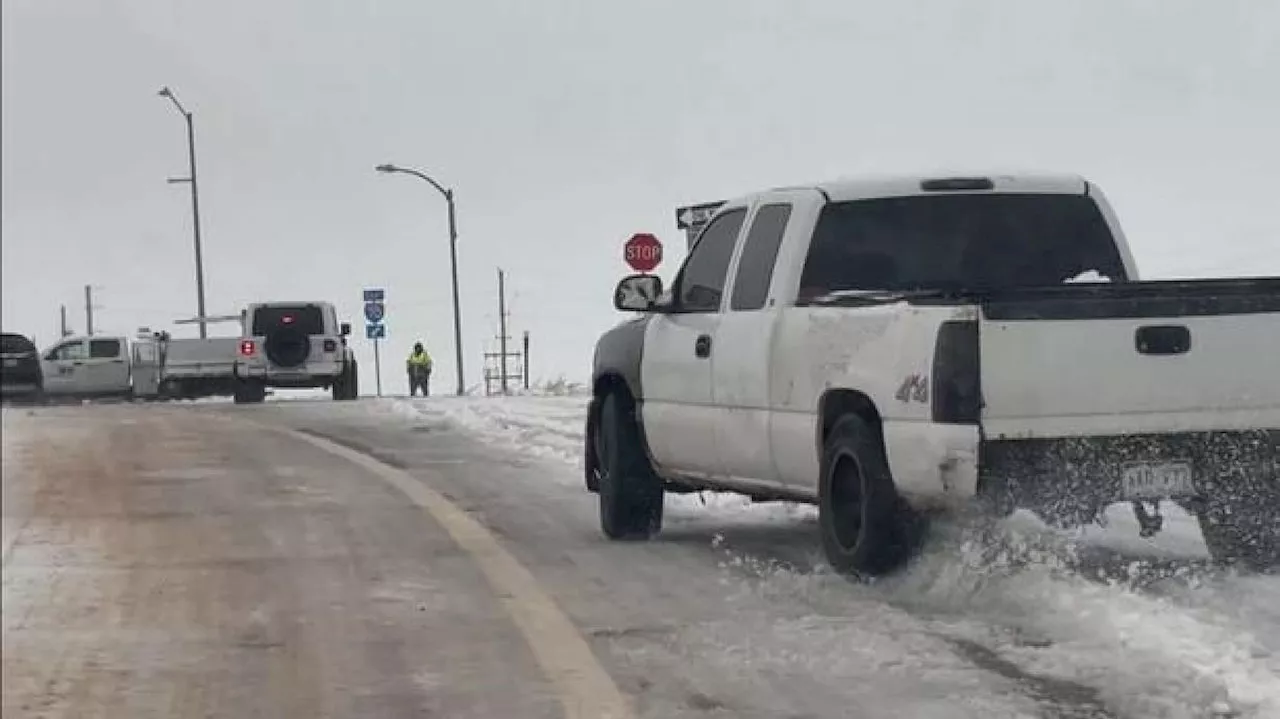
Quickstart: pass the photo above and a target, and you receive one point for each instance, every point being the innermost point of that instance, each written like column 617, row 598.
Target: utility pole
column 195, row 205
column 497, row 368
column 88, row 309
column 62, row 321
column 502, row 328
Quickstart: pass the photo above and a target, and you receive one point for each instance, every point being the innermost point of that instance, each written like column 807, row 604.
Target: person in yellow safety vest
column 419, row 367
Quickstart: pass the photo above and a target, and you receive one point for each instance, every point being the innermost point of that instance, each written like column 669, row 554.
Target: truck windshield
column 958, row 241
column 307, row 319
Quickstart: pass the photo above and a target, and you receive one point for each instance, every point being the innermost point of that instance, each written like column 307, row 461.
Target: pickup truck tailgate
column 1131, row 358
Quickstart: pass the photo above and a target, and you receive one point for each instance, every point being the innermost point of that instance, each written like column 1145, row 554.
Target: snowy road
column 729, row 613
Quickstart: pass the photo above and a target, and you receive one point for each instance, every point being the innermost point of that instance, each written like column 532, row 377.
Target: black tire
column 353, row 385
column 630, row 491
column 287, row 347
column 345, row 387
column 249, row 392
column 1243, row 528
column 866, row 528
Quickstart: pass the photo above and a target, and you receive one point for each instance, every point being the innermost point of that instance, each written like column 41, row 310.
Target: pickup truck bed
column 199, row 367
column 1136, row 392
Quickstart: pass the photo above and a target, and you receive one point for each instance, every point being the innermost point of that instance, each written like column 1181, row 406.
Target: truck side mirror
column 345, row 328
column 637, row 293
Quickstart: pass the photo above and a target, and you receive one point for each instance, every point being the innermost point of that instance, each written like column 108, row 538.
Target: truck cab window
column 755, row 269
column 104, row 349
column 701, row 281
column 958, row 241
column 67, row 351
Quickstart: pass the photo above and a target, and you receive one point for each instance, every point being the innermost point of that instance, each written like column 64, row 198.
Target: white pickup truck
column 87, row 367
column 888, row 347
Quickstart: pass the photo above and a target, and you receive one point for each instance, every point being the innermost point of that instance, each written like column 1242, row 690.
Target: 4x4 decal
column 914, row 388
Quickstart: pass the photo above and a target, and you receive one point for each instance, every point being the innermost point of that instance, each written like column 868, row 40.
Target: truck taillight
column 248, row 348
column 957, row 386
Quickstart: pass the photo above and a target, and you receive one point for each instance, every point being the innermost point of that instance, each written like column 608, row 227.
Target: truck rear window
column 305, row 318
column 104, row 349
column 960, row 241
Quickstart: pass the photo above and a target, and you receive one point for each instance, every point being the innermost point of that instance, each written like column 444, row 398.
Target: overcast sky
column 567, row 126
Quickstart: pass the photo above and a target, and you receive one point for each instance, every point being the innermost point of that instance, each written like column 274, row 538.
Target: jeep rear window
column 306, row 318
column 958, row 241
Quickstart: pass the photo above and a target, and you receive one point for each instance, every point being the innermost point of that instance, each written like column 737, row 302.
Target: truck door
column 64, row 367
column 675, row 373
column 146, row 369
column 107, row 366
column 743, row 343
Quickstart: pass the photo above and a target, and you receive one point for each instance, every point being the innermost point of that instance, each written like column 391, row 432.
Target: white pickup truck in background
column 88, row 367
column 153, row 365
column 888, row 347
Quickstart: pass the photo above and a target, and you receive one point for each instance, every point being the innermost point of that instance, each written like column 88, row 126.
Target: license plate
column 11, row 363
column 1162, row 480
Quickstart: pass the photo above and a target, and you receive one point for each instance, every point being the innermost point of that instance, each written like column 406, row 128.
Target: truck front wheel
column 865, row 526
column 630, row 491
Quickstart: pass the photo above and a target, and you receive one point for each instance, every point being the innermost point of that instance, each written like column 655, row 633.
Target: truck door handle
column 702, row 348
column 77, row 364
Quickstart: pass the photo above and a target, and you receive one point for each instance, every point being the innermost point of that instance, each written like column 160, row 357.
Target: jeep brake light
column 287, row 320
column 248, row 348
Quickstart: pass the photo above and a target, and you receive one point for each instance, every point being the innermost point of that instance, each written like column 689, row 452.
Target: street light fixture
column 453, row 259
column 195, row 204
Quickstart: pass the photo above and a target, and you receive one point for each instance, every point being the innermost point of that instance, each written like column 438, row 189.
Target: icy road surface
column 182, row 561
column 1092, row 623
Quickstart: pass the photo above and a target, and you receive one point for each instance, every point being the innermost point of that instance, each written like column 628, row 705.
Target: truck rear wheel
column 347, row 387
column 630, row 491
column 865, row 526
column 1244, row 527
column 249, row 392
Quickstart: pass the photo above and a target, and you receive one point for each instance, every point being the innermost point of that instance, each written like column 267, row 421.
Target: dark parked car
column 20, row 374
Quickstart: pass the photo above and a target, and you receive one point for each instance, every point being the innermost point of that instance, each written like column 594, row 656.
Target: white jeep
column 885, row 346
column 294, row 345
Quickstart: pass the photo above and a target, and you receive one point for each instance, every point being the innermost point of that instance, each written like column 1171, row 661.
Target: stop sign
column 643, row 252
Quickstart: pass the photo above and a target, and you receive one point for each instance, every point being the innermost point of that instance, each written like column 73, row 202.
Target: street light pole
column 453, row 271
column 453, row 261
column 195, row 206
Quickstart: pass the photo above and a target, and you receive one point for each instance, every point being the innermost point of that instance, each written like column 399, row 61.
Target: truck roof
column 896, row 185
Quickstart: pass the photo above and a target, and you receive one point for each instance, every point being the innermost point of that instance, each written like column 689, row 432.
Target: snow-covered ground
column 1148, row 626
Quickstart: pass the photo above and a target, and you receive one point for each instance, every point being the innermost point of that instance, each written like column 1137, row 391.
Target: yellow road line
column 585, row 689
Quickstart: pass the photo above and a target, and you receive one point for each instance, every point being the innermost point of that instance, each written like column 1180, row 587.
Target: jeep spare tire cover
column 287, row 347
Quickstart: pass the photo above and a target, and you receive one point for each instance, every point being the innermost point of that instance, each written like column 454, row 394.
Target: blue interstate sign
column 374, row 312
